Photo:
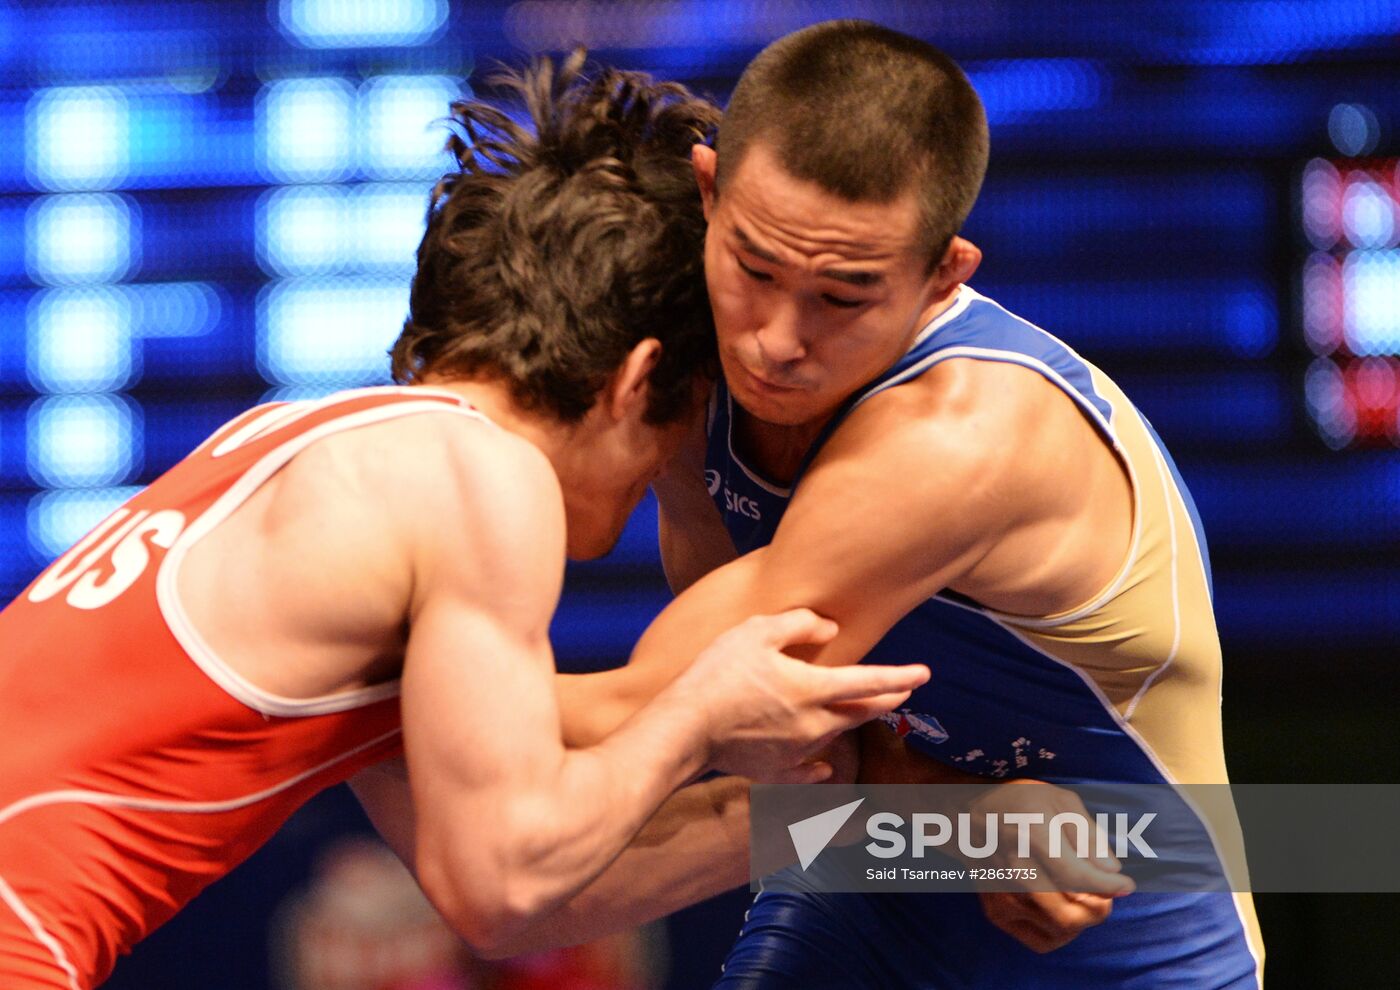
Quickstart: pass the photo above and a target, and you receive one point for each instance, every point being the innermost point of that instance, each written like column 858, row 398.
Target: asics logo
column 741, row 505
column 734, row 503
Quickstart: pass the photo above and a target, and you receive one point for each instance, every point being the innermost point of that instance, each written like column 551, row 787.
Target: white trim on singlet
column 40, row 933
column 964, row 299
column 277, row 415
column 767, row 486
column 1035, row 364
column 102, row 799
column 1005, row 356
column 1127, row 729
column 1132, row 704
column 167, row 593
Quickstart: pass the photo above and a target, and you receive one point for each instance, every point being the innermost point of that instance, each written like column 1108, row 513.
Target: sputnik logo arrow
column 811, row 835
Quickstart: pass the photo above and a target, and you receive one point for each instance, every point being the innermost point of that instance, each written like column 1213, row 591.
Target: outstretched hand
column 769, row 712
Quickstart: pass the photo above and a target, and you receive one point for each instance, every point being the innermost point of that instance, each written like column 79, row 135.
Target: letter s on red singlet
column 125, row 539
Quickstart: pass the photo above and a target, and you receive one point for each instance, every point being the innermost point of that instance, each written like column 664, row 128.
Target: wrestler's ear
column 956, row 266
column 630, row 388
column 702, row 159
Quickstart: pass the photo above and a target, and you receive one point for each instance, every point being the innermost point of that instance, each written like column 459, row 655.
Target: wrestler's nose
column 780, row 337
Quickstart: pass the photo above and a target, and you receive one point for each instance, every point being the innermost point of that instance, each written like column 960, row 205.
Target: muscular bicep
column 855, row 592
column 478, row 708
column 479, row 715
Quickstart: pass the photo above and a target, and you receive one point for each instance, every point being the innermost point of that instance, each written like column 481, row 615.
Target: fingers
column 1093, row 907
column 1108, row 876
column 795, row 627
column 1033, row 938
column 1010, row 913
column 855, row 713
column 1043, row 921
column 1087, row 877
column 834, row 684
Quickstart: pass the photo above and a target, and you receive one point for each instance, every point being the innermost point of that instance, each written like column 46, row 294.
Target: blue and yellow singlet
column 1124, row 688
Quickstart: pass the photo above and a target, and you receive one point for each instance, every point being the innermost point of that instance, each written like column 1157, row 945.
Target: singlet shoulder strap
column 979, row 328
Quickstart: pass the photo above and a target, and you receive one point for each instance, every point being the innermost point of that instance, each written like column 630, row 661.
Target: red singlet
column 138, row 768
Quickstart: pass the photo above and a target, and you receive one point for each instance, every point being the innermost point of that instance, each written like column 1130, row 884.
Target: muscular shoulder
column 1003, row 427
column 447, row 488
column 937, row 471
column 963, row 420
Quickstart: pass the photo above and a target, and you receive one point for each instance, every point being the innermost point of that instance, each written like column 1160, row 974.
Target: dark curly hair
column 559, row 246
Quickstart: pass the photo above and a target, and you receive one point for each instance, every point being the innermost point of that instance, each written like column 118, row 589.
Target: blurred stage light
column 77, row 138
column 1016, row 89
column 1322, row 198
column 82, row 441
column 1358, row 400
column 84, row 237
column 306, row 129
column 57, row 520
column 1325, row 392
column 1206, row 317
column 304, row 231
column 388, row 223
column 320, row 331
column 79, row 340
column 540, row 25
column 1251, row 323
column 361, row 23
column 1371, row 283
column 1277, row 31
column 1323, row 302
column 173, row 309
column 1368, row 214
column 1350, row 289
column 401, row 134
column 320, row 230
column 1353, row 129
column 183, row 137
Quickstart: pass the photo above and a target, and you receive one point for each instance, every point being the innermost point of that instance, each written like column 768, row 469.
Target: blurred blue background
column 204, row 205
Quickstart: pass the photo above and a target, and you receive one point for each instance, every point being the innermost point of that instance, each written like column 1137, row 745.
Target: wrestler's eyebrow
column 748, row 245
column 860, row 279
column 863, row 279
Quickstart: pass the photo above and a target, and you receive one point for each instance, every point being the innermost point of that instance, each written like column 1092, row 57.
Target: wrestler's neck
column 563, row 443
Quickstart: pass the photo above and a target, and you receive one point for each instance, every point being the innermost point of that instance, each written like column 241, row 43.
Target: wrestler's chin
column 787, row 408
column 594, row 538
column 591, row 549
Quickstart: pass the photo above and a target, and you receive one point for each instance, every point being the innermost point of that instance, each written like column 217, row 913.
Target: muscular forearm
column 593, row 706
column 562, row 830
column 695, row 847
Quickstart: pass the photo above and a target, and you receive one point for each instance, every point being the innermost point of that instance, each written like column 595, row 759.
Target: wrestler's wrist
column 689, row 717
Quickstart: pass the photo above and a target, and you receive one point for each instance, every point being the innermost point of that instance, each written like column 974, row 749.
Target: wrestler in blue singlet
column 1124, row 688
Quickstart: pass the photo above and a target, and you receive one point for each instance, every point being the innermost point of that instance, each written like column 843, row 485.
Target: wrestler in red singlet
column 146, row 768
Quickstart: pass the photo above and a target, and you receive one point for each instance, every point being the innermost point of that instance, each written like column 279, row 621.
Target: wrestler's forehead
column 766, row 202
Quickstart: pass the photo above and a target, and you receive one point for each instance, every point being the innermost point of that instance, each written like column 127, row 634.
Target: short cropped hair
column 866, row 113
column 563, row 241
